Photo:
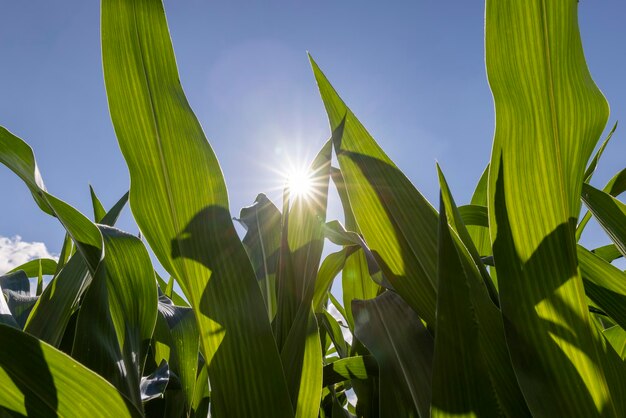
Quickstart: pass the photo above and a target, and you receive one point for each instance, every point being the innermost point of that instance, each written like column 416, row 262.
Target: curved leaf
column 118, row 314
column 33, row 268
column 179, row 200
column 549, row 117
column 397, row 222
column 403, row 348
column 38, row 380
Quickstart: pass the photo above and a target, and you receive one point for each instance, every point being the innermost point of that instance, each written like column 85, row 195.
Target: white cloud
column 15, row 252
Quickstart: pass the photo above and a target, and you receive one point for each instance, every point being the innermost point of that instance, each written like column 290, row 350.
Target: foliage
column 486, row 309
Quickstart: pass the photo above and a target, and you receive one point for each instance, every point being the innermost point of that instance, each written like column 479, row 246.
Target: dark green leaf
column 403, row 348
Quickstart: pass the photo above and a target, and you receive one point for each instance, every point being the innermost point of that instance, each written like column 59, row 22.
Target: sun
column 300, row 183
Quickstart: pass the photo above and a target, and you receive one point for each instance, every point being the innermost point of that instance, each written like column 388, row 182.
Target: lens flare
column 300, row 184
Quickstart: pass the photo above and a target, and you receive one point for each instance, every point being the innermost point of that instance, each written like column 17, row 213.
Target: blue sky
column 412, row 71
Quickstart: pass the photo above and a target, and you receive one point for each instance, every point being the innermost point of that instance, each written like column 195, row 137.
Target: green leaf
column 355, row 277
column 19, row 157
column 98, row 210
column 617, row 337
column 615, row 187
column 455, row 219
column 472, row 372
column 60, row 299
column 610, row 213
column 301, row 246
column 396, row 221
column 356, row 367
column 549, row 117
column 330, row 268
column 262, row 221
column 302, row 356
column 479, row 235
column 38, row 380
column 179, row 200
column 118, row 314
column 591, row 168
column 605, row 284
column 32, row 268
column 403, row 348
column 176, row 340
column 607, row 252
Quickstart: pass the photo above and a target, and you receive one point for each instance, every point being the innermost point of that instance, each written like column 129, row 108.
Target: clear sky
column 412, row 71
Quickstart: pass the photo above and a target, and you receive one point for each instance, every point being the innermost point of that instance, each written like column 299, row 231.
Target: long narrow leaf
column 549, row 116
column 179, row 200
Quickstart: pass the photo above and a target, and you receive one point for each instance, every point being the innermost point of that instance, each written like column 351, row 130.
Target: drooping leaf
column 356, row 367
column 17, row 282
column 19, row 157
column 403, row 348
column 32, row 268
column 61, row 298
column 605, row 284
column 118, row 314
column 615, row 187
column 176, row 340
column 179, row 200
column 610, row 213
column 262, row 221
column 397, row 222
column 20, row 305
column 6, row 317
column 154, row 385
column 38, row 380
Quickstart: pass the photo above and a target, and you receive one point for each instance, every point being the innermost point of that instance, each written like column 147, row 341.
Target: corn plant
column 492, row 308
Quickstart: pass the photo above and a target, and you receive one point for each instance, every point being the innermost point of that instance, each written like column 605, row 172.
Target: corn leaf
column 615, row 187
column 330, row 268
column 98, row 209
column 356, row 367
column 472, row 372
column 33, row 268
column 179, row 200
column 301, row 247
column 591, row 168
column 356, row 281
column 610, row 213
column 397, row 222
column 617, row 337
column 18, row 156
column 262, row 221
column 607, row 252
column 38, row 380
column 60, row 299
column 605, row 284
column 176, row 340
column 118, row 314
column 549, row 116
column 403, row 348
